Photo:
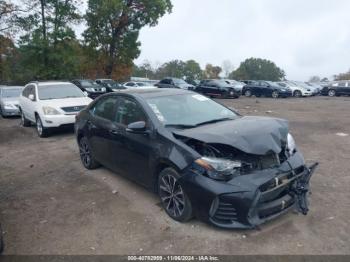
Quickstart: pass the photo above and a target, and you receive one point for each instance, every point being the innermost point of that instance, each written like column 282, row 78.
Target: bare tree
column 227, row 68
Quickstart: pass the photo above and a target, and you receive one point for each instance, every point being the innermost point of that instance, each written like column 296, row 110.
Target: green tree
column 49, row 49
column 174, row 68
column 192, row 71
column 113, row 27
column 258, row 69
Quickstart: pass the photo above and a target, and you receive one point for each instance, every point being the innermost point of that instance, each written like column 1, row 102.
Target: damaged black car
column 202, row 158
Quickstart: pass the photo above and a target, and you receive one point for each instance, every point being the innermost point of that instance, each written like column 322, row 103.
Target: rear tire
column 24, row 121
column 86, row 156
column 173, row 198
column 42, row 131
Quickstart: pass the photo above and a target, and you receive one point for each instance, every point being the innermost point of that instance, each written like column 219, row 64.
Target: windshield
column 11, row 92
column 86, row 83
column 273, row 84
column 179, row 82
column 59, row 91
column 188, row 110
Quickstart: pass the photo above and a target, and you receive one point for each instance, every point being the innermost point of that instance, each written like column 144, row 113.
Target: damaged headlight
column 218, row 168
column 291, row 146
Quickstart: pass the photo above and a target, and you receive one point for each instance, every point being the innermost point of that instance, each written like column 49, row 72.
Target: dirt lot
column 49, row 204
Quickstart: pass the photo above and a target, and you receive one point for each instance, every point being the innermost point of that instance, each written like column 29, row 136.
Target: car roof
column 156, row 92
column 49, row 83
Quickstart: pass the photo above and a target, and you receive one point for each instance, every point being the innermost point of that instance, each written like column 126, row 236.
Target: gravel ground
column 49, row 204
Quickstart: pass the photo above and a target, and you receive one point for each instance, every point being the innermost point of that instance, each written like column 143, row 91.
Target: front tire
column 248, row 93
column 331, row 92
column 86, row 156
column 173, row 198
column 42, row 131
column 297, row 93
column 275, row 94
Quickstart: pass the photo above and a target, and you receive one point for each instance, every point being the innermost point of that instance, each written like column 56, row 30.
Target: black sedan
column 90, row 87
column 267, row 89
column 217, row 88
column 336, row 88
column 200, row 157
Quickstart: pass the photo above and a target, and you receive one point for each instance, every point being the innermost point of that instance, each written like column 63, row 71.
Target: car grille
column 276, row 194
column 72, row 109
column 225, row 213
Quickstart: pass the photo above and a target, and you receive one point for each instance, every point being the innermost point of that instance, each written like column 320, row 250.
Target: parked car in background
column 92, row 89
column 51, row 105
column 297, row 88
column 236, row 84
column 337, row 88
column 200, row 157
column 9, row 104
column 315, row 88
column 110, row 85
column 217, row 88
column 265, row 88
column 172, row 82
column 137, row 85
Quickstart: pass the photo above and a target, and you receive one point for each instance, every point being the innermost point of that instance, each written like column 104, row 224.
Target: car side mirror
column 137, row 127
column 31, row 97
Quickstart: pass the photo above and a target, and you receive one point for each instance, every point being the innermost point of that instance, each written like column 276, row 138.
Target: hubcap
column 247, row 93
column 84, row 153
column 331, row 93
column 172, row 195
column 39, row 126
column 274, row 94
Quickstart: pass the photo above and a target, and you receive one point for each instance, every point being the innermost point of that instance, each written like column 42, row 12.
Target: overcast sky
column 303, row 37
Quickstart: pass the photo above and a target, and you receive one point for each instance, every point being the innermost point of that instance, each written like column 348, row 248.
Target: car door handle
column 114, row 132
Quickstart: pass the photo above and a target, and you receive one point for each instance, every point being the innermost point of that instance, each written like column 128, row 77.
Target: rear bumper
column 249, row 200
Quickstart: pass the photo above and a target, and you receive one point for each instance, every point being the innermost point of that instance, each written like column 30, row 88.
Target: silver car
column 9, row 96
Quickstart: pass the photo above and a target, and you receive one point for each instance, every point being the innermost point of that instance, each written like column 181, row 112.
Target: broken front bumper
column 250, row 200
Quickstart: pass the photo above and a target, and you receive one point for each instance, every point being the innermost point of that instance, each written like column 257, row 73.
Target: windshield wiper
column 214, row 121
column 180, row 126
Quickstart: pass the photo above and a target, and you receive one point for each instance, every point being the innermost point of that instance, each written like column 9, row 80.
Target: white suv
column 51, row 104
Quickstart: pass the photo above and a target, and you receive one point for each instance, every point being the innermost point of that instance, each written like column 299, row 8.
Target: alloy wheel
column 331, row 92
column 248, row 93
column 275, row 94
column 39, row 126
column 172, row 195
column 84, row 151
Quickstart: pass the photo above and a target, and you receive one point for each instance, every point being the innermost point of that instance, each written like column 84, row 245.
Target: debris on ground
column 115, row 192
column 43, row 221
column 342, row 134
column 93, row 248
column 244, row 236
column 330, row 218
column 31, row 166
column 269, row 112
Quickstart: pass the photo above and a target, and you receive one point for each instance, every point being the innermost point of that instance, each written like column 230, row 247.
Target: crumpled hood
column 252, row 135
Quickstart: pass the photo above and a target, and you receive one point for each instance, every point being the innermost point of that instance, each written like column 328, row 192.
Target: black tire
column 173, row 198
column 86, row 156
column 297, row 93
column 24, row 121
column 42, row 131
column 2, row 113
column 275, row 94
column 247, row 93
column 331, row 92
